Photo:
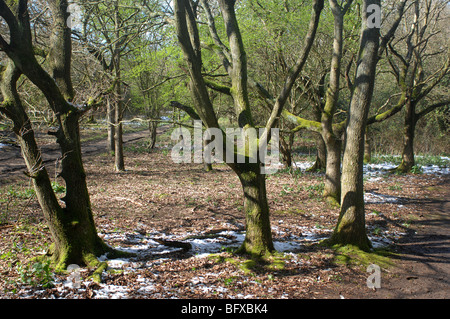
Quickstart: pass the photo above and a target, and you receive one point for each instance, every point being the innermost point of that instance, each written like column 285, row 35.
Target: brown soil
column 155, row 196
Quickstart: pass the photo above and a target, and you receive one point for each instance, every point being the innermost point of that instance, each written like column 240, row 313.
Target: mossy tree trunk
column 332, row 189
column 351, row 227
column 324, row 121
column 258, row 239
column 72, row 225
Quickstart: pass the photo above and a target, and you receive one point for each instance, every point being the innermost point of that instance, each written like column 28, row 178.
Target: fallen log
column 174, row 243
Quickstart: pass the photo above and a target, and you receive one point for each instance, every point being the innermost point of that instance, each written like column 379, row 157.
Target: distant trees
column 419, row 58
column 109, row 30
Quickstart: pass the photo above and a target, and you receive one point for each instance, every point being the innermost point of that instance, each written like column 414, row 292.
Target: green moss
column 353, row 256
column 276, row 262
column 333, row 200
column 97, row 275
column 248, row 266
column 269, row 262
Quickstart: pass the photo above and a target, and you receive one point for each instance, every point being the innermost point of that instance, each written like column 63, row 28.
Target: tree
column 351, row 228
column 258, row 240
column 75, row 239
column 419, row 64
column 327, row 123
column 153, row 81
column 109, row 29
column 325, row 100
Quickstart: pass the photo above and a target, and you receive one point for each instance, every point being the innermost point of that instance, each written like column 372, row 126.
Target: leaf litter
column 155, row 204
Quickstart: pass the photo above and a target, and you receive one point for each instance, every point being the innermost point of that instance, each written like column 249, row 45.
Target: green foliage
column 23, row 193
column 36, row 274
column 416, row 169
column 57, row 188
column 315, row 190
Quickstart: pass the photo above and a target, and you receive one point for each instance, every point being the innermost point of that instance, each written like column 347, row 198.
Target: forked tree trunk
column 258, row 239
column 79, row 228
column 72, row 227
column 73, row 231
column 332, row 189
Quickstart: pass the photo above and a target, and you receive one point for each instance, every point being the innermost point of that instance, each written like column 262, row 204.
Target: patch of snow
column 2, row 145
column 303, row 165
column 111, row 292
column 377, row 169
column 375, row 198
column 435, row 169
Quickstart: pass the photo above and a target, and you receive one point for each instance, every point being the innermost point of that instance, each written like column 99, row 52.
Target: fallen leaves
column 164, row 211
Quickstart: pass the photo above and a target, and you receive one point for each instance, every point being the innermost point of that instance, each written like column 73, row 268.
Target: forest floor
column 156, row 203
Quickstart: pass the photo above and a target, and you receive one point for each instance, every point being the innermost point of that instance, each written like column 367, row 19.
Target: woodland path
column 423, row 269
column 422, row 265
column 12, row 163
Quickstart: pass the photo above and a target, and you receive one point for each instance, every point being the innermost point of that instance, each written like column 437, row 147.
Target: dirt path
column 424, row 266
column 13, row 165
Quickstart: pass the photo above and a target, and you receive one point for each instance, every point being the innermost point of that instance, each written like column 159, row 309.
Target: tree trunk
column 72, row 227
column 119, row 163
column 321, row 155
column 408, row 138
column 110, row 115
column 152, row 127
column 79, row 227
column 258, row 238
column 351, row 226
column 332, row 187
column 286, row 149
column 207, row 163
column 74, row 235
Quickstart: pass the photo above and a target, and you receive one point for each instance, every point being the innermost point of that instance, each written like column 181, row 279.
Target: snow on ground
column 374, row 171
column 145, row 245
column 2, row 145
column 376, row 198
column 203, row 246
